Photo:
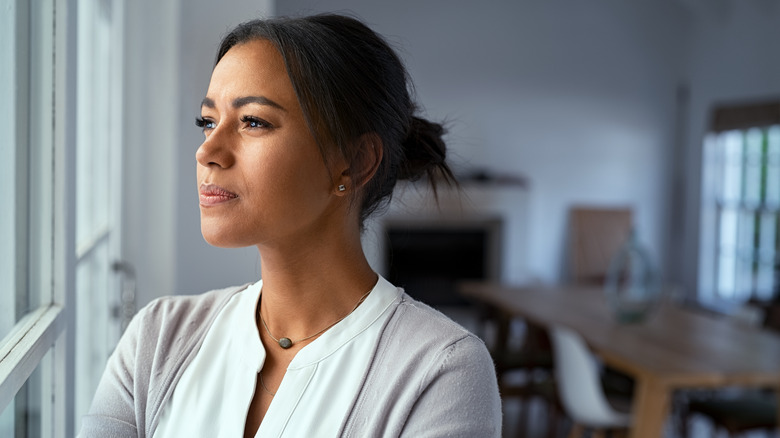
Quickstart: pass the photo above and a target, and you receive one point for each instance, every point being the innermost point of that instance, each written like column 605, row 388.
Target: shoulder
column 174, row 304
column 177, row 305
column 426, row 343
column 422, row 358
column 170, row 328
column 428, row 327
column 165, row 322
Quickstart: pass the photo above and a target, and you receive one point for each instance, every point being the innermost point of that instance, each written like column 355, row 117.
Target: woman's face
column 261, row 176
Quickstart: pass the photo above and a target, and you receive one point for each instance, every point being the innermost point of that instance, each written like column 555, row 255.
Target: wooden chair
column 596, row 235
column 533, row 359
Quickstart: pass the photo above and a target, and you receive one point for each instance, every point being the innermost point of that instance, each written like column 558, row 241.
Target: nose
column 216, row 149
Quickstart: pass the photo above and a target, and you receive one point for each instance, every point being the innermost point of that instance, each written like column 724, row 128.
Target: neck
column 307, row 287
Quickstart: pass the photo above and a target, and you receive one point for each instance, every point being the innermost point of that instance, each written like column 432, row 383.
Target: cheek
column 313, row 177
column 299, row 173
column 297, row 187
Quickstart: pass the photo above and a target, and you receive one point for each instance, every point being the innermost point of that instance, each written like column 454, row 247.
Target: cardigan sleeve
column 460, row 397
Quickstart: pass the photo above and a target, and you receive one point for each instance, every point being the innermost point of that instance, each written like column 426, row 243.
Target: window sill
column 25, row 346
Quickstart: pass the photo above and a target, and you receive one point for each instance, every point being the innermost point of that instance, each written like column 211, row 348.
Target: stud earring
column 342, row 188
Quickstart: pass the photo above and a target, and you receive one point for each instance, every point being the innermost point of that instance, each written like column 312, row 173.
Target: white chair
column 579, row 386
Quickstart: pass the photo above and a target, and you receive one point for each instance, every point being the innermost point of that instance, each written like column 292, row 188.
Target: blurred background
column 644, row 106
column 593, row 103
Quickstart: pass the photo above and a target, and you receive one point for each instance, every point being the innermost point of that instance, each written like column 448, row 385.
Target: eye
column 254, row 122
column 205, row 123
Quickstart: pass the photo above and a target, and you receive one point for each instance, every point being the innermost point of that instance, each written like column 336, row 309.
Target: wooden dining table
column 673, row 348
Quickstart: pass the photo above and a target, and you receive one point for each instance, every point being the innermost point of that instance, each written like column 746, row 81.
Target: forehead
column 254, row 68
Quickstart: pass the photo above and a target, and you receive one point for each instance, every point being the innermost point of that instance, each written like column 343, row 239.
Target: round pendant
column 285, row 343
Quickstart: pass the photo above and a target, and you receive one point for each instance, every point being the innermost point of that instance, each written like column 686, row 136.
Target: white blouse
column 213, row 396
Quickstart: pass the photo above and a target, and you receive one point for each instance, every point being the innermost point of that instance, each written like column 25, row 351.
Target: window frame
column 49, row 252
column 728, row 119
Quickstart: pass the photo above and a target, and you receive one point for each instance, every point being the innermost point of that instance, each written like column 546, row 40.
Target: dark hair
column 350, row 83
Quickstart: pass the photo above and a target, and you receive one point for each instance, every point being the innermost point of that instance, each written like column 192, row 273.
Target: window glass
column 11, row 168
column 26, row 53
column 747, row 207
column 27, row 221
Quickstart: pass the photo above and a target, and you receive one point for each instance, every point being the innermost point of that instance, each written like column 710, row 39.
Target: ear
column 368, row 155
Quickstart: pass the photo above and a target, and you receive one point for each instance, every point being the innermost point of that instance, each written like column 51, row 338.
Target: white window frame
column 45, row 329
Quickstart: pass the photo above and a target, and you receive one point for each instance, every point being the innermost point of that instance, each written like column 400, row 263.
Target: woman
column 308, row 124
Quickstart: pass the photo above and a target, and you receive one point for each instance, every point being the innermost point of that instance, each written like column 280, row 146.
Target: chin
column 217, row 236
column 222, row 243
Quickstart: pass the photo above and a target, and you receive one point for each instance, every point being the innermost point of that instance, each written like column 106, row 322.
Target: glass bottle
column 631, row 284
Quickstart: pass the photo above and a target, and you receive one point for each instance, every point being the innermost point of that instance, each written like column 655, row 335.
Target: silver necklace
column 287, row 342
column 263, row 385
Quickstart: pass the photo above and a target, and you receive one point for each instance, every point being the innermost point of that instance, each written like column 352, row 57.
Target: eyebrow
column 242, row 101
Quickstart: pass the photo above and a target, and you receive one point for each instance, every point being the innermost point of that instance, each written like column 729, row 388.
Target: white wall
column 734, row 57
column 577, row 96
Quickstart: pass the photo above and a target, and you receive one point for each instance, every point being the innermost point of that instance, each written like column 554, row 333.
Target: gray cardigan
column 428, row 376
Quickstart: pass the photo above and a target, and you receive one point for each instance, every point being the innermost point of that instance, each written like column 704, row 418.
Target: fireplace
column 429, row 258
column 477, row 232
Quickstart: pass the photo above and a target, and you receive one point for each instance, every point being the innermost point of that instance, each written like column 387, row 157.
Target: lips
column 211, row 194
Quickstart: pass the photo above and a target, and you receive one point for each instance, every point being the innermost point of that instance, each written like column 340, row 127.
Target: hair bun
column 424, row 152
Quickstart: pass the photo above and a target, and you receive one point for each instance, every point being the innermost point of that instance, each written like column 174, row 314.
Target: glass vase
column 631, row 286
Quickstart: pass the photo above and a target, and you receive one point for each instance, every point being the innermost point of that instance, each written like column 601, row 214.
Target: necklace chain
column 286, row 343
column 263, row 385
